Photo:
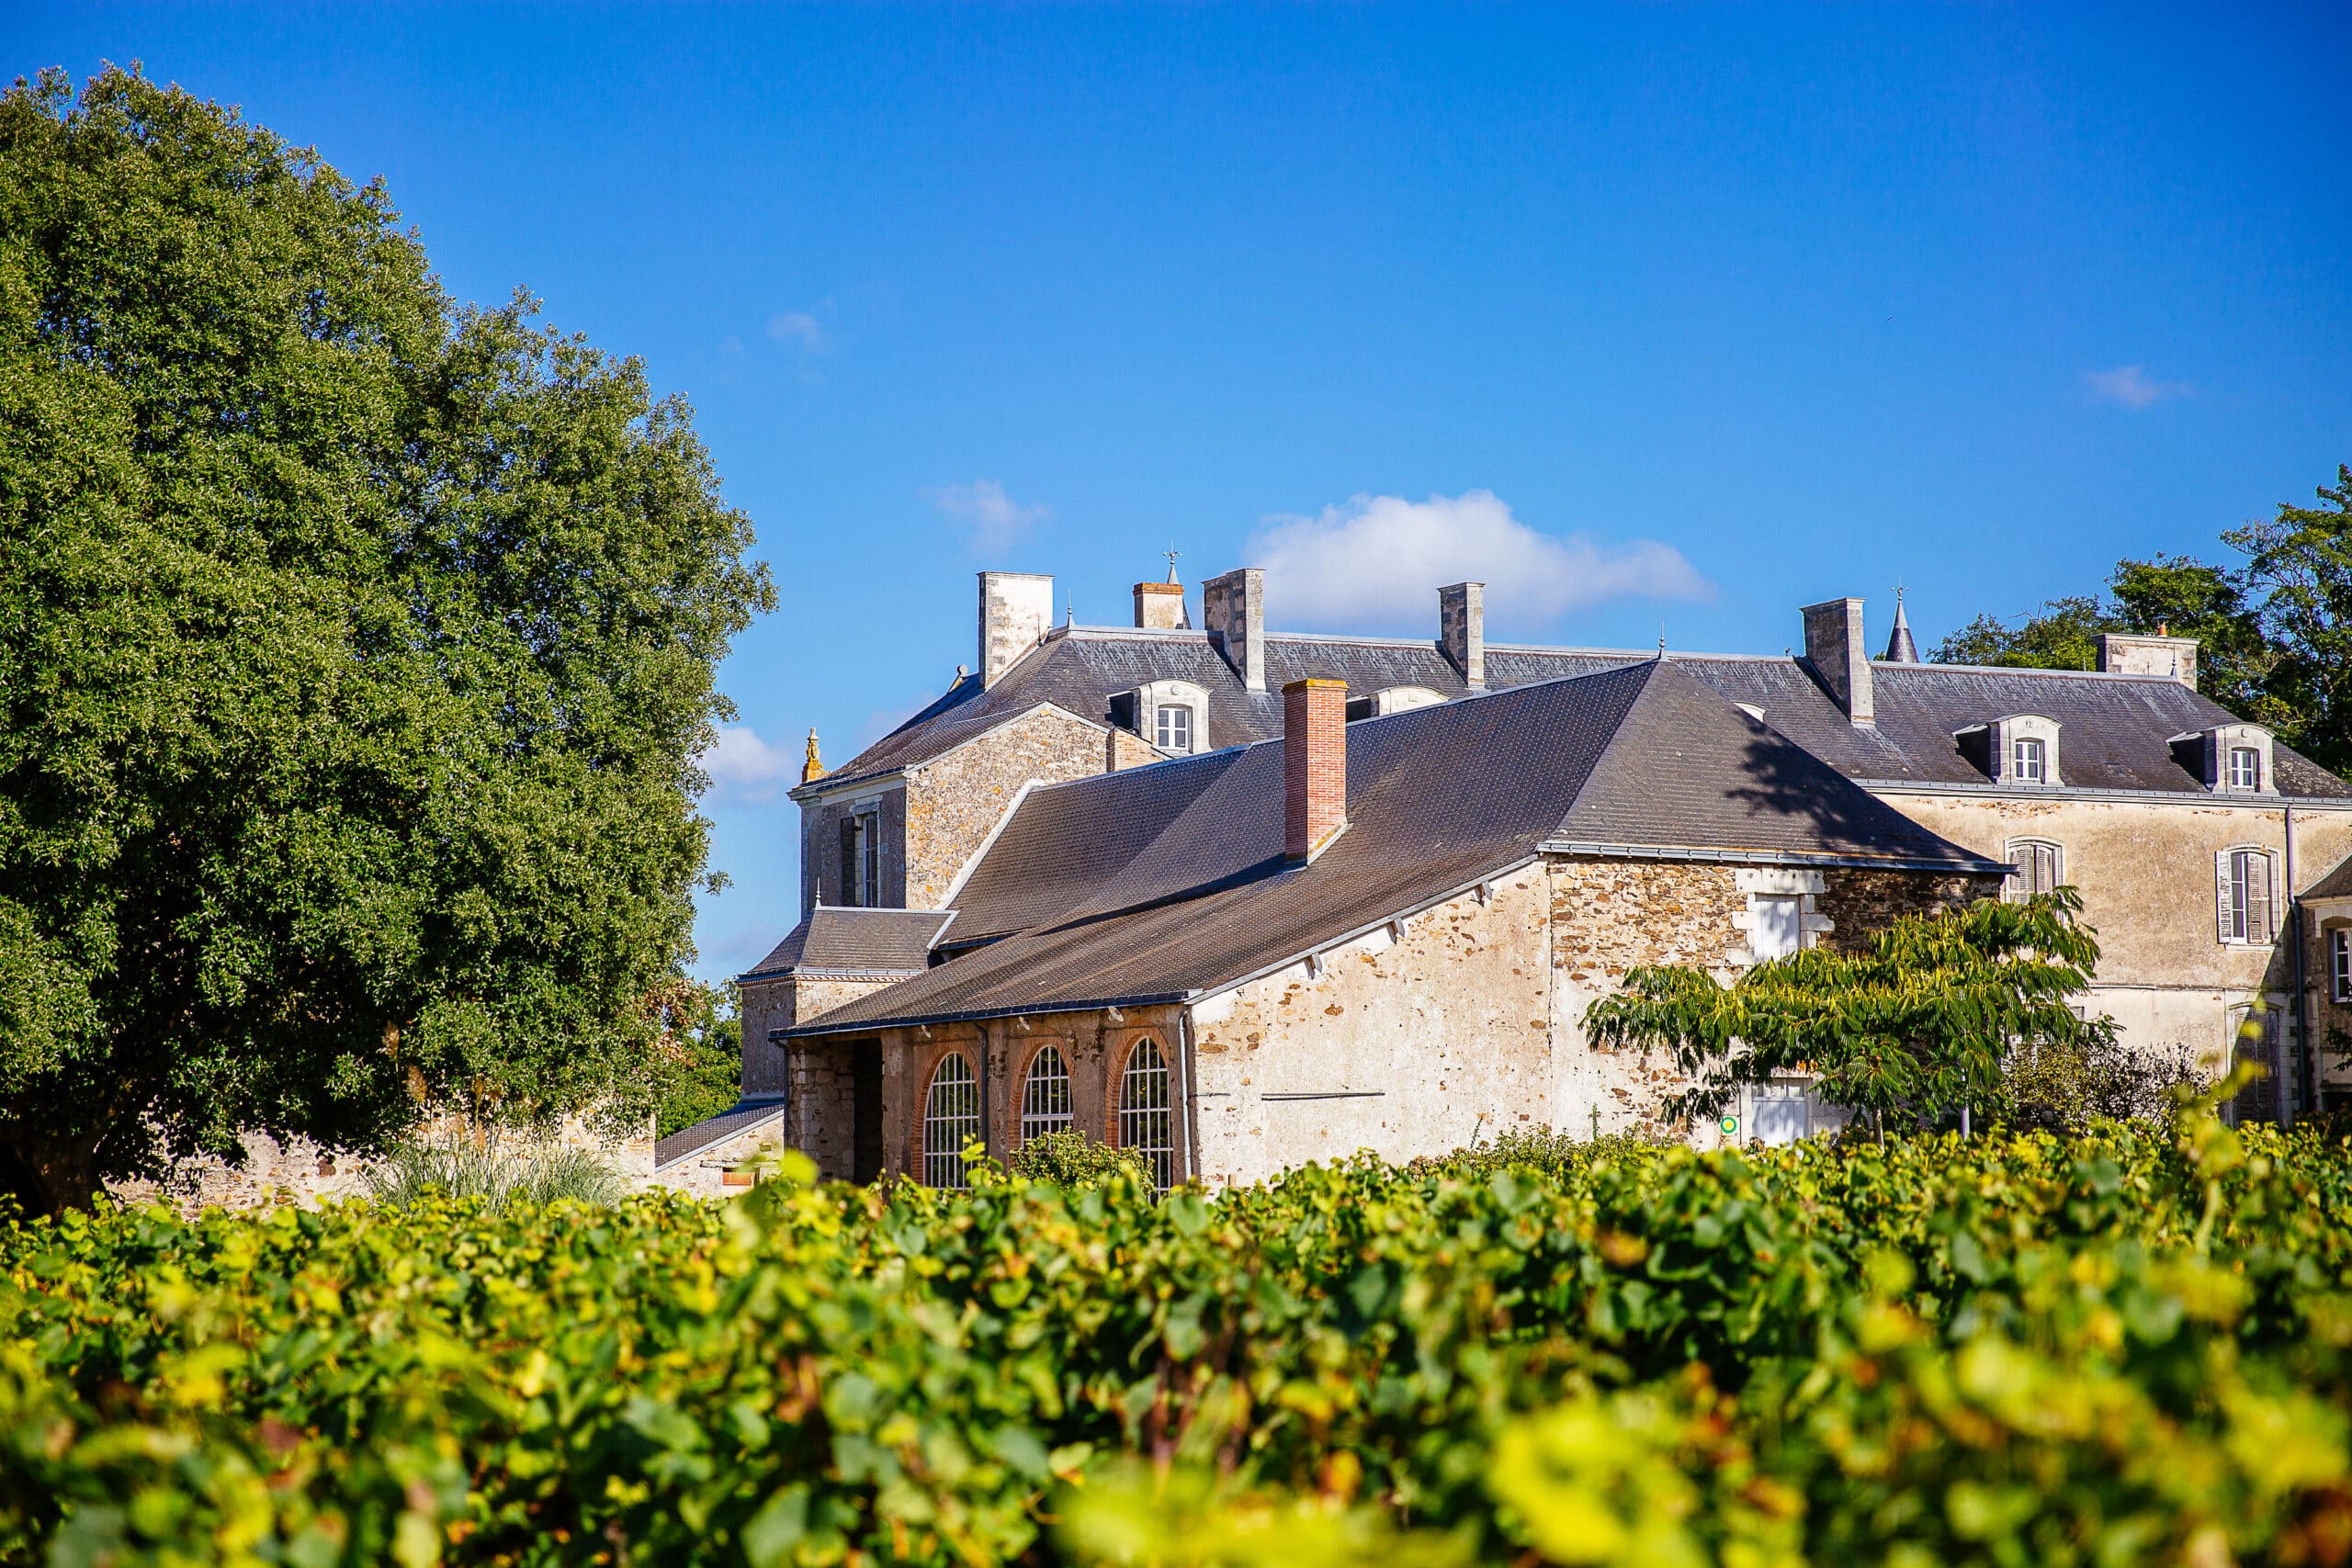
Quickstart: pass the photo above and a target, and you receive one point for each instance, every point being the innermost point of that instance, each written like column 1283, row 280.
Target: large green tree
column 355, row 649
column 2276, row 628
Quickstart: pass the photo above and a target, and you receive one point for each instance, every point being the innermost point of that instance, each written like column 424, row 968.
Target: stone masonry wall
column 821, row 845
column 953, row 802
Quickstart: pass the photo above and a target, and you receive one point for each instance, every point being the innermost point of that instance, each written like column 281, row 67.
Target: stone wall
column 821, row 843
column 298, row 1171
column 953, row 802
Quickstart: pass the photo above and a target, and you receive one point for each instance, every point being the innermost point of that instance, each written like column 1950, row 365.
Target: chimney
column 1462, row 630
column 1233, row 609
column 1840, row 660
column 1315, row 765
column 1159, row 607
column 2172, row 655
column 1015, row 609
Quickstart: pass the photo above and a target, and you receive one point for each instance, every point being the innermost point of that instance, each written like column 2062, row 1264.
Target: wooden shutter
column 2257, row 898
column 849, row 860
column 2223, row 908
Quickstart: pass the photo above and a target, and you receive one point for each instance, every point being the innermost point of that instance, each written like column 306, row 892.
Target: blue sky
column 1647, row 314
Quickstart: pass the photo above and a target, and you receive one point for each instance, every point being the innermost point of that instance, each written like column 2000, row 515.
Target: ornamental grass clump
column 493, row 1171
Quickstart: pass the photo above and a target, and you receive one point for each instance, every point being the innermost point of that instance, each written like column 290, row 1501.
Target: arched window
column 1146, row 1122
column 2040, row 868
column 951, row 1118
column 1044, row 1095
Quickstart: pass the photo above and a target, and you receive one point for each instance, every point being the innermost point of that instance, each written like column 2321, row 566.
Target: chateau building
column 1240, row 899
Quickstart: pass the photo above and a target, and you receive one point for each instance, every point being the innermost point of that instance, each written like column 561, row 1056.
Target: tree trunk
column 48, row 1175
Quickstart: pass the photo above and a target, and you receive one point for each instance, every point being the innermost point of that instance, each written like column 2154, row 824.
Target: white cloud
column 746, row 769
column 2129, row 385
column 796, row 326
column 1380, row 559
column 992, row 519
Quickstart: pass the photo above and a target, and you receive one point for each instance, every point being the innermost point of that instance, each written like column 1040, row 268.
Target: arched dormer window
column 2229, row 758
column 2020, row 750
column 1173, row 716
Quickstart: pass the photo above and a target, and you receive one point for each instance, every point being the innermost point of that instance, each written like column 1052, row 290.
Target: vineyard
column 2121, row 1348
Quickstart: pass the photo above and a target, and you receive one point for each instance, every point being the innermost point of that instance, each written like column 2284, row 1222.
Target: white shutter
column 2258, row 899
column 2225, row 916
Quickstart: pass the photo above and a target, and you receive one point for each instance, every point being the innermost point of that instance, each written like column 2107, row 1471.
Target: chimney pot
column 1840, row 658
column 1315, row 765
column 1462, row 630
column 1016, row 608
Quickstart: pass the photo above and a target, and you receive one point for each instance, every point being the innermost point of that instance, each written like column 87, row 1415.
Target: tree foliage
column 1918, row 1023
column 358, row 648
column 698, row 1055
column 2275, row 628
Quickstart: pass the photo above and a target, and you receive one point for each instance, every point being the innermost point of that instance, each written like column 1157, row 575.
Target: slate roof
column 746, row 1115
column 1166, row 882
column 855, row 941
column 2113, row 732
column 2336, row 884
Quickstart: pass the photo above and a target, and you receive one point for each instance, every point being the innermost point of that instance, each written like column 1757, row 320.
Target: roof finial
column 812, row 770
column 1172, row 552
column 1661, row 639
column 1900, row 647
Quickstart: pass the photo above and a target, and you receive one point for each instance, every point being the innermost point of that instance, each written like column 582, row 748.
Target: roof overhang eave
column 1969, row 866
column 979, row 1015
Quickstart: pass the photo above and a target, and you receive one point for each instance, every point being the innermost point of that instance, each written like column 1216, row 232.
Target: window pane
column 2240, row 877
column 951, row 1118
column 1045, row 1096
column 2245, row 768
column 1175, row 728
column 1146, row 1124
column 1776, row 925
column 2028, row 761
column 2342, row 965
column 1781, row 1113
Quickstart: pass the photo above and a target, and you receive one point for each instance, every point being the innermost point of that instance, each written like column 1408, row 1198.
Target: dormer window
column 2229, row 758
column 2020, row 750
column 1173, row 714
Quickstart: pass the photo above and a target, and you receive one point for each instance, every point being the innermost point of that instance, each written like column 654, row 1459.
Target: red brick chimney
column 1315, row 765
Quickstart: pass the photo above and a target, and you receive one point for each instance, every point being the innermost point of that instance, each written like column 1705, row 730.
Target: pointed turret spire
column 1899, row 649
column 812, row 770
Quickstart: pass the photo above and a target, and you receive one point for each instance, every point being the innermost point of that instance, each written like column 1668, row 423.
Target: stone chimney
column 2120, row 654
column 1840, row 658
column 1462, row 630
column 1232, row 611
column 1015, row 609
column 1159, row 607
column 1315, row 765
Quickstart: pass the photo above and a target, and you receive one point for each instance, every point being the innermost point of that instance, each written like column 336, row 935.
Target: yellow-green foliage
column 2120, row 1347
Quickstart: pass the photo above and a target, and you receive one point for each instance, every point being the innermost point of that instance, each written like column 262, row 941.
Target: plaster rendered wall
column 1447, row 1028
column 2145, row 870
column 955, row 801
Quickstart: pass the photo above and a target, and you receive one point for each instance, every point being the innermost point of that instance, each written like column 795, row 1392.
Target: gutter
column 1774, row 857
column 2070, row 792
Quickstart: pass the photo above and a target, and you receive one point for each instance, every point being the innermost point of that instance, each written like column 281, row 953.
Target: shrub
column 494, row 1171
column 1073, row 1159
column 2064, row 1088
